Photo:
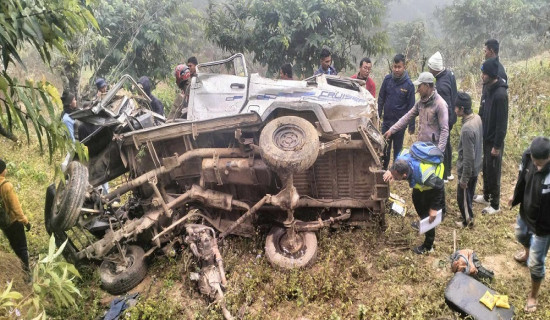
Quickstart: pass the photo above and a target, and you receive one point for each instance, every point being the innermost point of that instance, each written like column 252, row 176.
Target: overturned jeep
column 292, row 156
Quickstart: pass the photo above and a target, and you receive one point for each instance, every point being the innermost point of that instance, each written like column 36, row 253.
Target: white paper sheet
column 425, row 225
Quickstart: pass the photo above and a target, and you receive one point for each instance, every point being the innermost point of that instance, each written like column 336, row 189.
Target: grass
column 359, row 274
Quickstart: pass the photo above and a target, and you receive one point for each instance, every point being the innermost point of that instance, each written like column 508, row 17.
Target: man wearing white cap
column 446, row 87
column 431, row 109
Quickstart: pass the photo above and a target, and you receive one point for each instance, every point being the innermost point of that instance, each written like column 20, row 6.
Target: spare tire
column 289, row 144
column 279, row 255
column 70, row 250
column 69, row 197
column 116, row 280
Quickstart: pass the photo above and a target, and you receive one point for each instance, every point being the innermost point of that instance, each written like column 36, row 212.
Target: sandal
column 521, row 257
column 530, row 308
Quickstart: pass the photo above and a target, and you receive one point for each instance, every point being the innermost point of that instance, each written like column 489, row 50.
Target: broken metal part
column 247, row 214
column 363, row 132
column 198, row 153
column 334, row 144
column 237, row 171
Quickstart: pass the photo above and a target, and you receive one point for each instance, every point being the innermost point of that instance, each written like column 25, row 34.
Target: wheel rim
column 292, row 249
column 114, row 269
column 289, row 137
column 59, row 195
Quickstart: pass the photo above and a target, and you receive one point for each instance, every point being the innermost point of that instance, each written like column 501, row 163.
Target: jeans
column 469, row 193
column 538, row 249
column 491, row 175
column 18, row 242
column 396, row 139
column 422, row 201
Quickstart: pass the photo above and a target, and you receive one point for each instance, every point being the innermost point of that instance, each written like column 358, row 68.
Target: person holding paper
column 428, row 193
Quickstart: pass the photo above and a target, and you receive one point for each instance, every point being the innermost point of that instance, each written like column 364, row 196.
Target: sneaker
column 445, row 181
column 421, row 249
column 451, row 177
column 490, row 210
column 481, row 199
column 414, row 225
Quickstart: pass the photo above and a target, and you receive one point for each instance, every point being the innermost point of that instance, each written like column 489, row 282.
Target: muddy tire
column 69, row 197
column 280, row 257
column 290, row 144
column 120, row 281
column 70, row 251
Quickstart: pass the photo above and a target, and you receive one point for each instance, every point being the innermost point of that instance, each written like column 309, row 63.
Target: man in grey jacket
column 431, row 109
column 470, row 156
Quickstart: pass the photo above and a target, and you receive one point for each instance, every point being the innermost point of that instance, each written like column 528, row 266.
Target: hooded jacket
column 156, row 105
column 11, row 202
column 396, row 98
column 446, row 87
column 495, row 113
column 433, row 121
column 532, row 191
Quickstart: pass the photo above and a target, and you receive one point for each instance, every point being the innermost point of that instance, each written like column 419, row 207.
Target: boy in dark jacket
column 446, row 87
column 532, row 192
column 156, row 104
column 495, row 124
column 395, row 99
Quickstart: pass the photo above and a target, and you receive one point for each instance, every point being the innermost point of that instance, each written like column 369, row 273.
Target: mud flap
column 463, row 293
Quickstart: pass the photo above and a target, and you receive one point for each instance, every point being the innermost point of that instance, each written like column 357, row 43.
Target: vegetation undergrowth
column 359, row 274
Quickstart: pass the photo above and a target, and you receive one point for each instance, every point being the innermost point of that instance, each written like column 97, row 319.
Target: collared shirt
column 69, row 122
column 329, row 71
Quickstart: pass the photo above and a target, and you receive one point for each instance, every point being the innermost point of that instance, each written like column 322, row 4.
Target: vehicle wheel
column 281, row 254
column 289, row 143
column 116, row 279
column 70, row 251
column 69, row 197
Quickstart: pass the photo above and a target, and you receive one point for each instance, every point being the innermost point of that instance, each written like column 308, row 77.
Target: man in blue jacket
column 325, row 61
column 395, row 99
column 532, row 193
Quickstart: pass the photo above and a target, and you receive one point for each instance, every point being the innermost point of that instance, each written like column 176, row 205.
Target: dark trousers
column 464, row 198
column 491, row 175
column 18, row 242
column 422, row 201
column 448, row 157
column 396, row 139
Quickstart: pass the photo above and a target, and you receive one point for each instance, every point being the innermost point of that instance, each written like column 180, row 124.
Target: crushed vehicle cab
column 295, row 156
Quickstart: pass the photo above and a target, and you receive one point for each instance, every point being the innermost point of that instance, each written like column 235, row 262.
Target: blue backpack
column 426, row 152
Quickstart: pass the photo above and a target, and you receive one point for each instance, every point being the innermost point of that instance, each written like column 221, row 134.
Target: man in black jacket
column 532, row 192
column 156, row 104
column 445, row 84
column 491, row 51
column 495, row 123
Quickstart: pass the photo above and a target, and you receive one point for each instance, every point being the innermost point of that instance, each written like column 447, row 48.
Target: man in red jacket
column 365, row 66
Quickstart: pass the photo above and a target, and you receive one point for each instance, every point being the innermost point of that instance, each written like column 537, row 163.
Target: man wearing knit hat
column 468, row 164
column 495, row 123
column 431, row 110
column 101, row 86
column 446, row 88
column 12, row 219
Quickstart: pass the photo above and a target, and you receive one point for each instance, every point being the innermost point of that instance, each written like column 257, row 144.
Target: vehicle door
column 219, row 89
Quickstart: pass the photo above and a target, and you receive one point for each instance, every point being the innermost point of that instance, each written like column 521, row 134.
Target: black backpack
column 4, row 216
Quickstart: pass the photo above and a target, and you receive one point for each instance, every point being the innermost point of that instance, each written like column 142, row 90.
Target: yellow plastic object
column 502, row 301
column 488, row 300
